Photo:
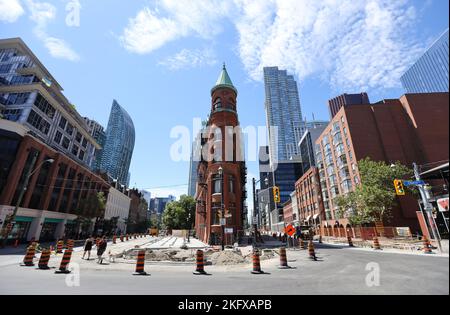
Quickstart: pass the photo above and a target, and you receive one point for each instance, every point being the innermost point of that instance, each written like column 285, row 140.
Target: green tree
column 180, row 214
column 373, row 200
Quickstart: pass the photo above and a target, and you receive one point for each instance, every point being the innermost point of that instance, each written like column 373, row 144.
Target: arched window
column 217, row 103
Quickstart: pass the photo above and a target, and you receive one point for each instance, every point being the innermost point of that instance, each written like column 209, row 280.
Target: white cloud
column 42, row 13
column 10, row 10
column 187, row 59
column 149, row 30
column 352, row 45
column 58, row 48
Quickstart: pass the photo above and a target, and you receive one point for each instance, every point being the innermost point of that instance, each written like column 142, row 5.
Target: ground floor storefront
column 44, row 226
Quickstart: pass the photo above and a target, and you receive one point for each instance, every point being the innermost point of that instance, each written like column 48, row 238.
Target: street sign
column 443, row 204
column 290, row 230
column 229, row 231
column 414, row 183
column 255, row 221
column 223, row 221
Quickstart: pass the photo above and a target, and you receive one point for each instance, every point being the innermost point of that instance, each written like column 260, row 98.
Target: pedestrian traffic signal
column 276, row 194
column 399, row 189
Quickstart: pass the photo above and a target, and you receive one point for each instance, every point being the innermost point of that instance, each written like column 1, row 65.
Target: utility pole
column 428, row 207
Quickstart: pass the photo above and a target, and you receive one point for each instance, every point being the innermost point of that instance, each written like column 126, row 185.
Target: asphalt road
column 338, row 271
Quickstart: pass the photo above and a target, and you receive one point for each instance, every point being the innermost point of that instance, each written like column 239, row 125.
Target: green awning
column 23, row 219
column 49, row 220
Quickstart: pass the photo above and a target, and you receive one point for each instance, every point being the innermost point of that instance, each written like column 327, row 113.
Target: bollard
column 16, row 243
column 59, row 247
column 121, row 238
column 43, row 261
column 126, row 238
column 28, row 259
column 283, row 259
column 320, row 239
column 376, row 244
column 304, row 245
column 140, row 262
column 70, row 244
column 65, row 262
column 256, row 264
column 311, row 250
column 200, row 264
column 350, row 241
column 427, row 246
column 114, row 239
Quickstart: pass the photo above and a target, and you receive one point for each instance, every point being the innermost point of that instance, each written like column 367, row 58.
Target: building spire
column 224, row 80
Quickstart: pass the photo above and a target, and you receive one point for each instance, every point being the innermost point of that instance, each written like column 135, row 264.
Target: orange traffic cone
column 256, row 264
column 283, row 259
column 200, row 264
column 43, row 261
column 311, row 250
column 29, row 256
column 140, row 262
column 376, row 244
column 65, row 262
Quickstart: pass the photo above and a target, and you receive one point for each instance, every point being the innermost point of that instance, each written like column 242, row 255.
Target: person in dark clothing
column 88, row 247
column 101, row 249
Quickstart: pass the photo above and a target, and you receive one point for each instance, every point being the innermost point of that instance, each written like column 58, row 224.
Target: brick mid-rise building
column 309, row 198
column 411, row 129
column 54, row 197
column 221, row 181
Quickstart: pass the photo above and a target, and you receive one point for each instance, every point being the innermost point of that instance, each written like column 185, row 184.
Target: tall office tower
column 195, row 159
column 283, row 111
column 430, row 73
column 98, row 132
column 119, row 144
column 307, row 145
column 335, row 104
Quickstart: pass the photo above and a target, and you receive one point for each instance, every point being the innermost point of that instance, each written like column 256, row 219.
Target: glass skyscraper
column 283, row 111
column 119, row 144
column 430, row 73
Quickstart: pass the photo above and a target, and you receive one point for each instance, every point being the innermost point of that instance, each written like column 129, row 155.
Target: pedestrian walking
column 101, row 249
column 88, row 247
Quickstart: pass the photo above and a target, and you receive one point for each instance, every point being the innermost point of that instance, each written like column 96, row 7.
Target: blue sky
column 159, row 59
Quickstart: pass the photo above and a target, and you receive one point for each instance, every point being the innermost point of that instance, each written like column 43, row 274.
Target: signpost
column 290, row 230
column 413, row 183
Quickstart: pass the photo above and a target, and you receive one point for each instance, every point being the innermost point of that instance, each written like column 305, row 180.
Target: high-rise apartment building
column 283, row 112
column 30, row 95
column 98, row 133
column 431, row 72
column 119, row 144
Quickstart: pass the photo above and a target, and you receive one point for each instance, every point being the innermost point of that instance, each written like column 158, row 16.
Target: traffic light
column 399, row 189
column 276, row 194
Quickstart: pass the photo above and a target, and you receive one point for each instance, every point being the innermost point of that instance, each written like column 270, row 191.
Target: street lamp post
column 428, row 207
column 255, row 224
column 28, row 175
column 222, row 207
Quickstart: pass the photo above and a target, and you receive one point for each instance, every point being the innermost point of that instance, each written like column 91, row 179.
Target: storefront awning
column 315, row 216
column 307, row 219
column 23, row 219
column 50, row 220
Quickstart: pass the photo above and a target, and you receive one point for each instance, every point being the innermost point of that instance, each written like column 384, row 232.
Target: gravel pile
column 227, row 258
